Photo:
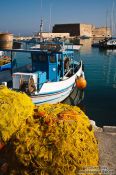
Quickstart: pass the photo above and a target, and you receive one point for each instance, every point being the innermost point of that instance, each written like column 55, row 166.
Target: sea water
column 100, row 95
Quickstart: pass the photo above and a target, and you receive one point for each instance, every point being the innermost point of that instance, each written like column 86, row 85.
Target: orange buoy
column 81, row 83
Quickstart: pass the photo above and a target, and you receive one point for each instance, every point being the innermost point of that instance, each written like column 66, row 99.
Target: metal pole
column 11, row 63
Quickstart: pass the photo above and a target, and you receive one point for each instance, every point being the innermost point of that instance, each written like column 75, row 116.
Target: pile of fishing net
column 4, row 61
column 48, row 140
column 15, row 108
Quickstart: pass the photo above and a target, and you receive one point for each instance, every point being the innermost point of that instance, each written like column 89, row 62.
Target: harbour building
column 101, row 32
column 79, row 30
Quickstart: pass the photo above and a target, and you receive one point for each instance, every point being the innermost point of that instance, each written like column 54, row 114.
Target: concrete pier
column 111, row 129
column 107, row 148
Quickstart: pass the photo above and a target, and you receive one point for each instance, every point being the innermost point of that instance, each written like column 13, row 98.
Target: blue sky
column 23, row 16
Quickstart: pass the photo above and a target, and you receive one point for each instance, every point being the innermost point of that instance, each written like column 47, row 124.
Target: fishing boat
column 52, row 75
column 84, row 37
column 108, row 43
column 95, row 44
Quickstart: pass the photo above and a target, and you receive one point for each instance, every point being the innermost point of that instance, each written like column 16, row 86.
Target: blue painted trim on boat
column 48, row 100
column 62, row 90
column 5, row 66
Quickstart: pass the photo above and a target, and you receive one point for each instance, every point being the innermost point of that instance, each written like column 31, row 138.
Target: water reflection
column 86, row 45
column 107, row 52
column 109, row 69
column 100, row 71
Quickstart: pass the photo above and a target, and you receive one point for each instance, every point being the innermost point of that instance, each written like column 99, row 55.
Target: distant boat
column 5, row 63
column 108, row 43
column 84, row 37
column 95, row 44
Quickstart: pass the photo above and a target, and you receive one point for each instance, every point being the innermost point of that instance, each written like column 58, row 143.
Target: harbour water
column 100, row 70
column 100, row 95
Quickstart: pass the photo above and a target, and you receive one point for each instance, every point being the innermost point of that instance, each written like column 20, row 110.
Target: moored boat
column 95, row 44
column 52, row 75
column 108, row 43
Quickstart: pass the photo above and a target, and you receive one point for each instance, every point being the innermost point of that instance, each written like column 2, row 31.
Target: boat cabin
column 50, row 66
column 46, row 65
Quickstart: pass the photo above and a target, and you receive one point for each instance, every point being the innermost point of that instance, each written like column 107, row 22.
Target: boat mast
column 41, row 29
column 112, row 18
column 50, row 18
column 106, row 23
column 41, row 25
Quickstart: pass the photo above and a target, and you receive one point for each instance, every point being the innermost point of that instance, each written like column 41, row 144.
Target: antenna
column 50, row 17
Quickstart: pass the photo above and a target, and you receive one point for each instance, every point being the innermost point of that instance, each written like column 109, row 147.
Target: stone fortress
column 79, row 30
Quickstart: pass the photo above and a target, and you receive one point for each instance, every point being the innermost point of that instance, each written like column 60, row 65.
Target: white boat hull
column 55, row 92
column 55, row 98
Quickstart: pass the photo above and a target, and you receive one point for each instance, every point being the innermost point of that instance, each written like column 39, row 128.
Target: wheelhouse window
column 38, row 60
column 21, row 62
column 59, row 57
column 42, row 58
column 52, row 59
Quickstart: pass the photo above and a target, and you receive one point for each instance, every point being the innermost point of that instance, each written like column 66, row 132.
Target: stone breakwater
column 106, row 137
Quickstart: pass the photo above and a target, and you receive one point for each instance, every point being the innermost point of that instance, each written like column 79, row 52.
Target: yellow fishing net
column 15, row 108
column 56, row 140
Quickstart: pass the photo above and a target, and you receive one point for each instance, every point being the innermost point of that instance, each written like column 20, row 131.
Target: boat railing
column 67, row 72
column 50, row 46
column 69, row 46
column 72, row 70
column 53, row 46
